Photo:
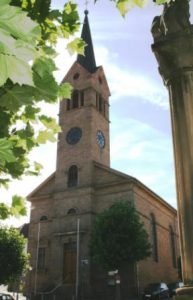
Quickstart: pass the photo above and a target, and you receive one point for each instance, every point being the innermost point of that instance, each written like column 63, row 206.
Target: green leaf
column 54, row 14
column 70, row 19
column 50, row 51
column 50, row 123
column 22, row 144
column 41, row 10
column 18, row 41
column 30, row 113
column 4, row 183
column 16, row 47
column 4, row 211
column 44, row 66
column 76, row 46
column 38, row 167
column 44, row 79
column 140, row 3
column 15, row 69
column 124, row 6
column 162, row 1
column 18, row 24
column 6, row 152
column 16, row 97
column 14, row 58
column 44, row 136
column 3, row 2
column 18, row 206
column 65, row 90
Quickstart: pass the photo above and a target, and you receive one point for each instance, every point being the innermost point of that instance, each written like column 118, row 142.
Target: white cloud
column 63, row 60
column 124, row 83
column 145, row 153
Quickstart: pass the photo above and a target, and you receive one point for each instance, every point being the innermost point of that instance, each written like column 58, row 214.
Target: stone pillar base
column 184, row 293
column 183, row 297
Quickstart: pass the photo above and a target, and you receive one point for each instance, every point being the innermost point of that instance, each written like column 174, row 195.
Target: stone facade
column 65, row 205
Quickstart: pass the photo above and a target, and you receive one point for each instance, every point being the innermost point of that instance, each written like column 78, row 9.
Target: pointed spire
column 88, row 60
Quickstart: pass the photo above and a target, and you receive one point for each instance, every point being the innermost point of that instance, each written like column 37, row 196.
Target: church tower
column 84, row 119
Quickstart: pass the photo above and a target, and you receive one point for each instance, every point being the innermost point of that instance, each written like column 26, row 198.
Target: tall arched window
column 97, row 101
column 82, row 98
column 68, row 104
column 173, row 246
column 75, row 98
column 104, row 108
column 100, row 104
column 153, row 235
column 72, row 176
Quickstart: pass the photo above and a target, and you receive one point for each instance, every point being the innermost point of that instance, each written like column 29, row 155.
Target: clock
column 100, row 139
column 74, row 135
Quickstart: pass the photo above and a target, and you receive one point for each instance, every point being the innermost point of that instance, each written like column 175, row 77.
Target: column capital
column 173, row 40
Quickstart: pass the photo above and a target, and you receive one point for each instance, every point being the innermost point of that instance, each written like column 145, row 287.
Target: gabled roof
column 104, row 176
column 45, row 188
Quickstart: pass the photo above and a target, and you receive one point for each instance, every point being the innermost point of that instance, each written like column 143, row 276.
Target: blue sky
column 141, row 141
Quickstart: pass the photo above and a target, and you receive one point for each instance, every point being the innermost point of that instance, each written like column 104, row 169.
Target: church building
column 64, row 206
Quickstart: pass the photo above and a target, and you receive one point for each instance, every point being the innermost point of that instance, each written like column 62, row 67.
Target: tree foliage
column 125, row 5
column 118, row 236
column 29, row 30
column 13, row 260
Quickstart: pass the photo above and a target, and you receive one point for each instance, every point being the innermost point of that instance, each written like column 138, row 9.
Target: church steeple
column 88, row 59
column 84, row 120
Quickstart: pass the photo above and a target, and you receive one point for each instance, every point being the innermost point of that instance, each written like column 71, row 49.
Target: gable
column 86, row 79
column 45, row 188
column 104, row 175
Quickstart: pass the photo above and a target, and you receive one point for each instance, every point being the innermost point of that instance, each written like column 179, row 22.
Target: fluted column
column 173, row 48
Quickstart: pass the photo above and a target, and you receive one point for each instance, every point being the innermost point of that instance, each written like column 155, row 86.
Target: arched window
column 75, row 98
column 100, row 104
column 76, row 76
column 173, row 246
column 68, row 104
column 72, row 176
column 97, row 101
column 43, row 218
column 104, row 109
column 153, row 236
column 82, row 98
column 72, row 211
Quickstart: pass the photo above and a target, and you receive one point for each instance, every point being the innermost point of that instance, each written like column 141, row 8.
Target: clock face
column 100, row 139
column 74, row 135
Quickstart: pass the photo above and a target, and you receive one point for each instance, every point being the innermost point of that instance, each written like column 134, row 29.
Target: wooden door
column 69, row 263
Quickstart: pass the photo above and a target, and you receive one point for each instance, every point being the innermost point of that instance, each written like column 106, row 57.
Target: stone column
column 173, row 48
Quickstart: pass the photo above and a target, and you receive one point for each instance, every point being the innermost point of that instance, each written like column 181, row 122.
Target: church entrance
column 69, row 263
